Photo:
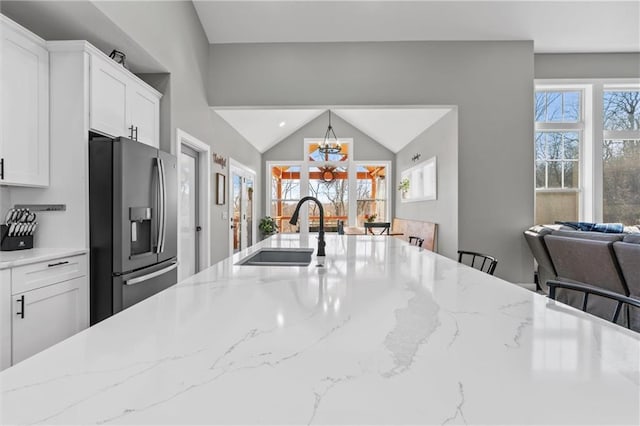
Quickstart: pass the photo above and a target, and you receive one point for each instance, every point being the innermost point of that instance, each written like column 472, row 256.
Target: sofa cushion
column 586, row 261
column 632, row 238
column 628, row 255
column 585, row 235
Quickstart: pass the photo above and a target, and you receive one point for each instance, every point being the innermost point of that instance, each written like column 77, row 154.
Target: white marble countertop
column 385, row 333
column 10, row 259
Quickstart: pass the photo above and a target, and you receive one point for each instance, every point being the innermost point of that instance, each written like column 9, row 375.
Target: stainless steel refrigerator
column 132, row 222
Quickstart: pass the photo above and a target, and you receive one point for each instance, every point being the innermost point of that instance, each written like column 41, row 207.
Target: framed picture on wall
column 220, row 187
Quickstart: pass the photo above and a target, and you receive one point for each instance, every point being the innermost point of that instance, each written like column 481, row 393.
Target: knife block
column 8, row 243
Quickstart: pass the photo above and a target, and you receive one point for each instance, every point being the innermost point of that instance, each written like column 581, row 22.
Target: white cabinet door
column 108, row 105
column 5, row 318
column 24, row 140
column 45, row 316
column 145, row 114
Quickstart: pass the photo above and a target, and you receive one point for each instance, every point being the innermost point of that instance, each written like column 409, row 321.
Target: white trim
column 204, row 154
column 244, row 171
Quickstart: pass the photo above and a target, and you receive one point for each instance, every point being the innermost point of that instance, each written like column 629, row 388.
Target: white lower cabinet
column 48, row 302
column 46, row 316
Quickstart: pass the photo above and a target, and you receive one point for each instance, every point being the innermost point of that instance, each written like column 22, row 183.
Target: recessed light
column 282, row 123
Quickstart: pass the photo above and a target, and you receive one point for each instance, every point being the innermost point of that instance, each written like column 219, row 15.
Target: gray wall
column 439, row 140
column 291, row 148
column 234, row 146
column 587, row 65
column 173, row 35
column 490, row 82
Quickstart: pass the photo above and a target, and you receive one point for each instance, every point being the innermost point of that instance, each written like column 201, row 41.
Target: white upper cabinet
column 144, row 106
column 121, row 104
column 108, row 110
column 24, row 93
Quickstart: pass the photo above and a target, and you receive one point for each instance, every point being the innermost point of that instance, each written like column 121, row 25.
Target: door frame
column 204, row 153
column 233, row 164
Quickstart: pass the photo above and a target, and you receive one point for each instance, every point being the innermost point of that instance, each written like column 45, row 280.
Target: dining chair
column 485, row 262
column 416, row 241
column 385, row 227
column 632, row 305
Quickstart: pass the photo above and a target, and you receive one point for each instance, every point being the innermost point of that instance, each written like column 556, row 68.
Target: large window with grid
column 587, row 150
column 621, row 155
column 559, row 126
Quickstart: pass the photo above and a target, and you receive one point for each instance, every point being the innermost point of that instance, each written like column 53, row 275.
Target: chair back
column 622, row 304
column 479, row 261
column 416, row 241
column 385, row 227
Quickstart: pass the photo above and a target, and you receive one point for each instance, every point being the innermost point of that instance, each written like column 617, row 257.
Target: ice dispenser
column 140, row 219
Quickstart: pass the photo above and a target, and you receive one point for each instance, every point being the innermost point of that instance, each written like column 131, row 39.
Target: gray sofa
column 608, row 261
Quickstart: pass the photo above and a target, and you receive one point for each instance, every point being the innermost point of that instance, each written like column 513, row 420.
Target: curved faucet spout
column 294, row 220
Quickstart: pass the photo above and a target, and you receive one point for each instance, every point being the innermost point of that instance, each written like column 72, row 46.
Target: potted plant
column 268, row 226
column 404, row 186
column 370, row 217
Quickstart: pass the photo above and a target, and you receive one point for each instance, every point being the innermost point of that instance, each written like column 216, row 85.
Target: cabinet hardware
column 57, row 264
column 198, row 228
column 21, row 301
column 136, row 137
column 2, row 168
column 131, row 132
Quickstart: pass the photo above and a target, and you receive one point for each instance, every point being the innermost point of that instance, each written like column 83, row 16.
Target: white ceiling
column 554, row 26
column 264, row 128
column 392, row 127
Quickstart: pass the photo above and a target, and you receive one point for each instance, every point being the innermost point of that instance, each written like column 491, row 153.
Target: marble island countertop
column 384, row 333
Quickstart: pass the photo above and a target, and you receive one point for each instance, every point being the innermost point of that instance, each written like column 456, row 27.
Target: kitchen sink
column 278, row 257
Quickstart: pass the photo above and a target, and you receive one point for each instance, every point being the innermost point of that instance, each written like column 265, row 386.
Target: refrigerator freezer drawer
column 137, row 286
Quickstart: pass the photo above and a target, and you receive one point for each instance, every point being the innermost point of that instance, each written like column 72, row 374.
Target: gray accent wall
column 440, row 141
column 490, row 82
column 587, row 65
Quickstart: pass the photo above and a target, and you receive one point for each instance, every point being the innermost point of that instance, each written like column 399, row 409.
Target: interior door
column 189, row 228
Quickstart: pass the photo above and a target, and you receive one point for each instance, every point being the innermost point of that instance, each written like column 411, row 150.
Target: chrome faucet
column 294, row 220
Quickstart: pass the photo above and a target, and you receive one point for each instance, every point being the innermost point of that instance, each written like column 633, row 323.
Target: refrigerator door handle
column 163, row 206
column 147, row 277
column 158, row 213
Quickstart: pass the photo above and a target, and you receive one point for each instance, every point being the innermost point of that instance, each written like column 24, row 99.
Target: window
column 330, row 185
column 347, row 189
column 285, row 194
column 371, row 192
column 559, row 124
column 621, row 156
column 587, row 151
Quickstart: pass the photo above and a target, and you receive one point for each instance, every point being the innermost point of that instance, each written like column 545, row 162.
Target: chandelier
column 330, row 144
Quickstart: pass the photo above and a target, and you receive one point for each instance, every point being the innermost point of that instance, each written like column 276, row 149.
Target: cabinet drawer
column 36, row 275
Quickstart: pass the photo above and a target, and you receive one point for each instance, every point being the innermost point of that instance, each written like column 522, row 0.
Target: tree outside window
column 621, row 157
column 558, row 116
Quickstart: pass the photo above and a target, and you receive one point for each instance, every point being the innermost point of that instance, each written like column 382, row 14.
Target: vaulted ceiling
column 554, row 26
column 394, row 128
